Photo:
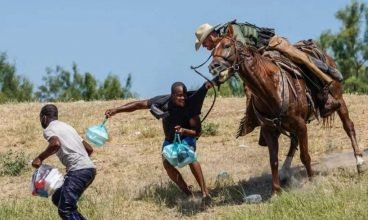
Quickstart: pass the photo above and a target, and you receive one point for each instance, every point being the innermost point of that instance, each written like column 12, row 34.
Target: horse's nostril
column 216, row 65
column 215, row 68
column 210, row 68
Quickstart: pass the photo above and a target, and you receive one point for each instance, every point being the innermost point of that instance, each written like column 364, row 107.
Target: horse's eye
column 226, row 46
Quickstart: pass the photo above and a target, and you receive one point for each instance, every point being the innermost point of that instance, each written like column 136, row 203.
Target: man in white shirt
column 74, row 153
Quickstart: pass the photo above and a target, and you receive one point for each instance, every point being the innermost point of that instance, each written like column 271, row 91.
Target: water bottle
column 255, row 198
column 182, row 155
column 40, row 184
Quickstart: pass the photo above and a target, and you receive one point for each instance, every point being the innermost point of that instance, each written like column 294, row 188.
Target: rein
column 213, row 86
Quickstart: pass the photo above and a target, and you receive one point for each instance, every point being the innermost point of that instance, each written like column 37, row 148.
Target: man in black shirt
column 180, row 114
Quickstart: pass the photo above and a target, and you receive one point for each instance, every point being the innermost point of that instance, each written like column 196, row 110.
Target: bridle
column 238, row 54
column 235, row 67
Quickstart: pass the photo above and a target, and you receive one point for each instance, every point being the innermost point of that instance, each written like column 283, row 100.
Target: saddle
column 249, row 121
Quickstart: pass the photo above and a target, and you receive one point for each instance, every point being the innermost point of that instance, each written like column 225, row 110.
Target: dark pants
column 67, row 196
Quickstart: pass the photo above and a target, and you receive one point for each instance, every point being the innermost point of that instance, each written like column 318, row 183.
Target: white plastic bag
column 46, row 180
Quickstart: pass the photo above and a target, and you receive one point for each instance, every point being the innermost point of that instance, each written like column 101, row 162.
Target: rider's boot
column 330, row 104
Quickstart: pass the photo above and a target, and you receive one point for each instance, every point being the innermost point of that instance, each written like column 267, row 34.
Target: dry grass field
column 131, row 182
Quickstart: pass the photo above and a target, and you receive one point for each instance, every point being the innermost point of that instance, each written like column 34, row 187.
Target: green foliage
column 345, row 199
column 63, row 85
column 349, row 46
column 13, row 163
column 232, row 87
column 89, row 90
column 223, row 91
column 59, row 86
column 236, row 85
column 111, row 88
column 357, row 84
column 12, row 86
column 210, row 129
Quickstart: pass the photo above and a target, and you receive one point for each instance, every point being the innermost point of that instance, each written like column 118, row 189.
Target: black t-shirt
column 179, row 115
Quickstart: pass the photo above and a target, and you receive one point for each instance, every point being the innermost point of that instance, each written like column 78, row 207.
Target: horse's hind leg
column 302, row 134
column 350, row 131
column 285, row 171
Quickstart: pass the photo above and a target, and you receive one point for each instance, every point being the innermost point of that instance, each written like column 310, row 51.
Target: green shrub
column 13, row 163
column 210, row 129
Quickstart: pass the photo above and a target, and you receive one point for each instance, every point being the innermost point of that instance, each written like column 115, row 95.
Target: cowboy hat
column 202, row 32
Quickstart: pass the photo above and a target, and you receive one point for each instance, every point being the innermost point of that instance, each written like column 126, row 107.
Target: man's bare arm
column 129, row 107
column 52, row 148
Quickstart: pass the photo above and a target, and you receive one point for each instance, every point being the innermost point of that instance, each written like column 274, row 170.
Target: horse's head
column 225, row 57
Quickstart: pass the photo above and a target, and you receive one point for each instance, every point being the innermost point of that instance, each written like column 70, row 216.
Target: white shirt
column 72, row 152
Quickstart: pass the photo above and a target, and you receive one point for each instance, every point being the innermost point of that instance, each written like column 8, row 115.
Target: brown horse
column 279, row 100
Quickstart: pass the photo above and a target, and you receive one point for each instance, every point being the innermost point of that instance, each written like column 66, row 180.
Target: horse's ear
column 230, row 31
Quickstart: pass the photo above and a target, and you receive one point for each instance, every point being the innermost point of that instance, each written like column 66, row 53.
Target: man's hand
column 179, row 129
column 36, row 163
column 88, row 147
column 110, row 112
column 214, row 82
column 208, row 85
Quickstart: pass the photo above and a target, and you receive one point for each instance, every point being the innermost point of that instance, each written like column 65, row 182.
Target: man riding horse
column 281, row 102
column 263, row 38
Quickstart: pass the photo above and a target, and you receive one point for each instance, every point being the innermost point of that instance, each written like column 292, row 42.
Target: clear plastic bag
column 46, row 180
column 98, row 134
column 179, row 154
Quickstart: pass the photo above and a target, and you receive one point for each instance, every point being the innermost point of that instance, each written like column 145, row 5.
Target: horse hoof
column 284, row 177
column 361, row 165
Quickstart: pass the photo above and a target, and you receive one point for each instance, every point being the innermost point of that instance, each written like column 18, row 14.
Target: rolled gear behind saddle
column 294, row 54
column 333, row 72
column 318, row 57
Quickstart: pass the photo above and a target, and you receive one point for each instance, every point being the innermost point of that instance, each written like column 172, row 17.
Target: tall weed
column 13, row 163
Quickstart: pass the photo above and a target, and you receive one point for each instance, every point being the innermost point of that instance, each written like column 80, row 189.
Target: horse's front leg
column 271, row 136
column 285, row 172
column 350, row 131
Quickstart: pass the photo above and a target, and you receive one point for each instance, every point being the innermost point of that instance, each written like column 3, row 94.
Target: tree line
column 60, row 84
